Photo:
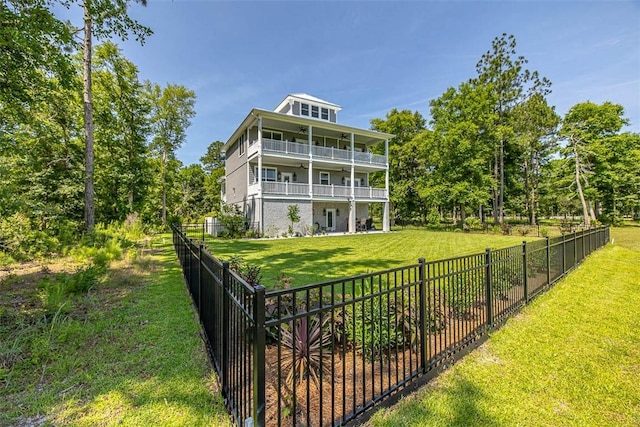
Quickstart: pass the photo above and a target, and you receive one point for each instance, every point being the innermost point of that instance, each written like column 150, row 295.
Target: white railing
column 331, row 153
column 286, row 188
column 286, row 147
column 370, row 193
column 370, row 158
column 319, row 190
column 289, row 147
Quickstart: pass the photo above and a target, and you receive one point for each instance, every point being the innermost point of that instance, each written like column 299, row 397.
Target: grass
column 571, row 358
column 128, row 352
column 315, row 259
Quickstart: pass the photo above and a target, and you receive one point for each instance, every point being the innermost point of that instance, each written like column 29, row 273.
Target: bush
column 370, row 324
column 232, row 220
column 252, row 274
column 22, row 241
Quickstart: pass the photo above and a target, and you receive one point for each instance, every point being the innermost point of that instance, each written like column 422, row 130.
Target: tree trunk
column 496, row 219
column 501, row 200
column 89, row 207
column 164, row 187
column 585, row 211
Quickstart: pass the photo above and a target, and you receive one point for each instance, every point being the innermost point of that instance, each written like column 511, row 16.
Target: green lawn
column 315, row 259
column 571, row 358
column 127, row 353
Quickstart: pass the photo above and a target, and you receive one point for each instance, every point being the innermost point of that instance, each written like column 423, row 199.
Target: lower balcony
column 320, row 191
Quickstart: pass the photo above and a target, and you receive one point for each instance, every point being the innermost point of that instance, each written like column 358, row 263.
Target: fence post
column 225, row 327
column 575, row 248
column 259, row 342
column 583, row 248
column 423, row 314
column 487, row 266
column 548, row 262
column 203, row 231
column 564, row 256
column 200, row 282
column 524, row 268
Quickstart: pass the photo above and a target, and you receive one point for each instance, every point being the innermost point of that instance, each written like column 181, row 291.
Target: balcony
column 271, row 146
column 319, row 191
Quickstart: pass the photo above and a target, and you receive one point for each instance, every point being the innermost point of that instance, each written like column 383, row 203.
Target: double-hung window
column 304, row 109
column 324, row 178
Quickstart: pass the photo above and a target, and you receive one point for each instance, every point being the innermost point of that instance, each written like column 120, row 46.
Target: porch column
column 260, row 202
column 352, row 205
column 310, row 162
column 385, row 215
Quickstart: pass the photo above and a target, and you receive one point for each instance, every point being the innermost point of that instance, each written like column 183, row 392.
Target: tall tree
column 173, row 109
column 509, row 84
column 536, row 123
column 102, row 18
column 403, row 163
column 122, row 126
column 213, row 165
column 585, row 125
column 460, row 119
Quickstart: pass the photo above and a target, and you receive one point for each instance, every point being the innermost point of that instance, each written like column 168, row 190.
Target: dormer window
column 325, row 113
column 315, row 113
column 304, row 110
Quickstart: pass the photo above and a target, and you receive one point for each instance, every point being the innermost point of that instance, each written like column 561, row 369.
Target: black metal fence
column 325, row 354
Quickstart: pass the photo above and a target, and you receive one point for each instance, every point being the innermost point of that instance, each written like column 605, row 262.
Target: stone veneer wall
column 276, row 217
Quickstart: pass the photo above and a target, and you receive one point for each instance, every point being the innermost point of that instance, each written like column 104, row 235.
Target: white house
column 308, row 159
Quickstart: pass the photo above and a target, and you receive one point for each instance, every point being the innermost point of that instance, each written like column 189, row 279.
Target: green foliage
column 233, row 222
column 250, row 273
column 21, row 241
column 293, row 213
column 462, row 294
column 56, row 293
column 370, row 323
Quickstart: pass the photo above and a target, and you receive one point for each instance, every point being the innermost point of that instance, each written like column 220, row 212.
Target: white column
column 310, row 130
column 260, row 202
column 352, row 205
column 385, row 216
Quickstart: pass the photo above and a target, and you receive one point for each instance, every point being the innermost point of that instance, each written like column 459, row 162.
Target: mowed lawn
column 571, row 358
column 315, row 259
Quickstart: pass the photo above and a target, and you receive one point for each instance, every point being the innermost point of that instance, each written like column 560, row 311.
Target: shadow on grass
column 459, row 404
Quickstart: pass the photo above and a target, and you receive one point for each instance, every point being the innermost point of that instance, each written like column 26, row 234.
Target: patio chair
column 361, row 224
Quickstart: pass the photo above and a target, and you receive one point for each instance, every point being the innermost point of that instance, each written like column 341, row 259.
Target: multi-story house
column 299, row 154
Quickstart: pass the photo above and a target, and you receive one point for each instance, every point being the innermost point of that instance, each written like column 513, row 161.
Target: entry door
column 331, row 220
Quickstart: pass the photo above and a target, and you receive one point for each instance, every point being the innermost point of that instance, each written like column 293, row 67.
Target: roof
column 306, row 97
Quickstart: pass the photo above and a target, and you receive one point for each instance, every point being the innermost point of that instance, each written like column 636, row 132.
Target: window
column 268, row 174
column 325, row 113
column 315, row 111
column 241, row 144
column 304, row 109
column 272, row 134
column 324, row 178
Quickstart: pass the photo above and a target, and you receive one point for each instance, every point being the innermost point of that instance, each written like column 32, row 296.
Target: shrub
column 232, row 220
column 544, row 232
column 370, row 324
column 473, row 224
column 252, row 274
column 306, row 343
column 462, row 294
column 433, row 218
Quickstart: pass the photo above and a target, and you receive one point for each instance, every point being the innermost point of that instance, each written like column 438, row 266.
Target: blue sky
column 372, row 56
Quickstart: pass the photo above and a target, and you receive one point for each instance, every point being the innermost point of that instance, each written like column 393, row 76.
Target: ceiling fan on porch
column 302, row 130
column 302, row 166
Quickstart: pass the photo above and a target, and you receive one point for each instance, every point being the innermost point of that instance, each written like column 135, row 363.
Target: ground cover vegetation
column 104, row 336
column 570, row 358
column 295, row 262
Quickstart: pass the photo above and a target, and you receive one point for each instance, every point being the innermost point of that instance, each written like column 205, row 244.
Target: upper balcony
column 332, row 154
column 319, row 191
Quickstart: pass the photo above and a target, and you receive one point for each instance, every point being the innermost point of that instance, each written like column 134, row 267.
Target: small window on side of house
column 324, row 178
